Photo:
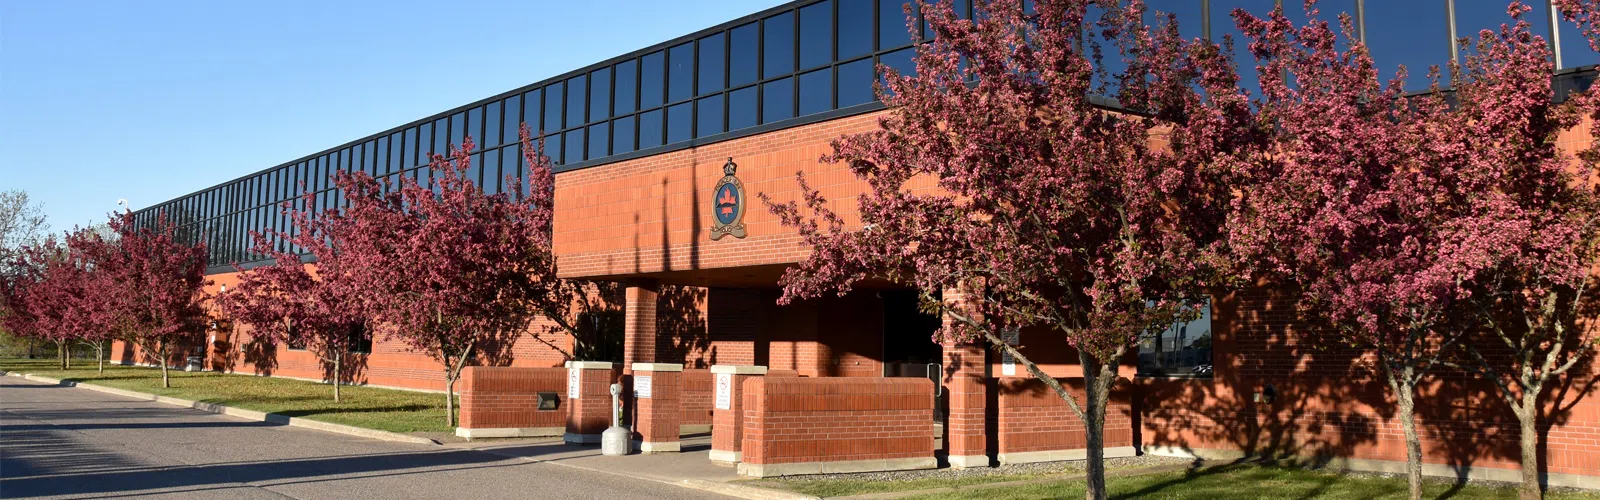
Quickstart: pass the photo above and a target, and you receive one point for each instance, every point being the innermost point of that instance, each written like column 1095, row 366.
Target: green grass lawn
column 372, row 408
column 1219, row 482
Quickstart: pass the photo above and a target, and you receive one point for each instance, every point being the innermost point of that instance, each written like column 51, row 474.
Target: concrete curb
column 742, row 491
column 273, row 418
column 1139, row 471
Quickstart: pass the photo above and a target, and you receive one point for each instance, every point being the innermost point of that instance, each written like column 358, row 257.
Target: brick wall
column 506, row 397
column 802, row 420
column 696, row 395
column 1032, row 418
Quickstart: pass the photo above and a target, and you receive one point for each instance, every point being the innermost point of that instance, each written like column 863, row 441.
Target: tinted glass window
column 742, row 108
column 777, row 100
column 552, row 147
column 598, row 140
column 1182, row 350
column 458, row 128
column 650, row 129
column 381, row 159
column 475, row 125
column 777, row 50
column 441, row 139
column 491, row 124
column 576, row 100
column 709, row 112
column 816, row 91
column 600, row 95
column 397, row 155
column 892, row 25
column 680, row 123
column 903, row 61
column 1575, row 51
column 552, row 108
column 1413, row 34
column 652, row 72
column 531, row 106
column 855, row 28
column 1474, row 17
column 1223, row 27
column 622, row 140
column 743, row 63
column 680, row 74
column 711, row 64
column 491, row 171
column 574, row 146
column 816, row 35
column 627, row 87
column 855, row 83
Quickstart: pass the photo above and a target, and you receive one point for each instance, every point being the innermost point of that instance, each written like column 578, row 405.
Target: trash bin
column 196, row 363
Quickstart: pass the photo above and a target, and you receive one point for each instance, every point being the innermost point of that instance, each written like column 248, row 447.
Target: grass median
column 1232, row 482
column 368, row 407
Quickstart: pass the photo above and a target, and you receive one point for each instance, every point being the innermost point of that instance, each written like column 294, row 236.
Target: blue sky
column 109, row 99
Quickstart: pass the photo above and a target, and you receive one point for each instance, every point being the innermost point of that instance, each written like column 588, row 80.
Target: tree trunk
column 61, row 349
column 1407, row 397
column 30, row 349
column 1528, row 416
column 166, row 382
column 1095, row 388
column 100, row 356
column 449, row 397
column 336, row 377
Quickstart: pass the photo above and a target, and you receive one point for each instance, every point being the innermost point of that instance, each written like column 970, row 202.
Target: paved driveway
column 58, row 442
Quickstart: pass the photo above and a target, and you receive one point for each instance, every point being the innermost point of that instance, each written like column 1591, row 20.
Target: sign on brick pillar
column 657, row 392
column 966, row 388
column 639, row 324
column 588, row 400
column 727, row 422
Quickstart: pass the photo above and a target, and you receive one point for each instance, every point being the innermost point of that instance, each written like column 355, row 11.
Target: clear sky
column 150, row 100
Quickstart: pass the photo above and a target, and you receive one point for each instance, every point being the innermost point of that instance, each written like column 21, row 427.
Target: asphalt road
column 58, row 442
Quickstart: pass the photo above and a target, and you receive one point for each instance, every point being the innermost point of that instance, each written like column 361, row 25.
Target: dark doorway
column 909, row 349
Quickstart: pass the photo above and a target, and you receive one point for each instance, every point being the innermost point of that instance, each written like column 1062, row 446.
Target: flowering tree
column 453, row 271
column 288, row 302
column 1049, row 210
column 151, row 285
column 52, row 297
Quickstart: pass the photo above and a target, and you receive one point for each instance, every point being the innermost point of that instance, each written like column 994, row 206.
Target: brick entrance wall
column 818, row 425
column 504, row 402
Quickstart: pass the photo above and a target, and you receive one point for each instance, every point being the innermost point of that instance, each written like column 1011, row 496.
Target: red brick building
column 641, row 210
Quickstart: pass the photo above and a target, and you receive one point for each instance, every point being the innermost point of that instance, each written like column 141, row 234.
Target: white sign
column 724, row 391
column 1008, row 364
column 641, row 386
column 574, row 383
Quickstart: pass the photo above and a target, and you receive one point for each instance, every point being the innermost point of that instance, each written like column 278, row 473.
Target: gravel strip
column 1037, row 468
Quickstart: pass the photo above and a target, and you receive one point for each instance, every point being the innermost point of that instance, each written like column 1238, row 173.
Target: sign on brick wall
column 641, row 386
column 1008, row 365
column 724, row 391
column 727, row 204
column 574, row 383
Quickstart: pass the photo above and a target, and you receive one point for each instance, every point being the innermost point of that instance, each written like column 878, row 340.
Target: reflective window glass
column 744, row 64
column 652, row 79
column 598, row 139
column 1473, row 17
column 680, row 123
column 855, row 28
column 600, row 94
column 680, row 73
column 777, row 50
column 552, row 147
column 708, row 112
column 1575, row 51
column 1184, row 349
column 422, row 145
column 475, row 125
column 441, row 141
column 816, row 91
column 711, row 64
column 397, row 154
column 903, row 61
column 491, row 171
column 458, row 129
column 892, row 24
column 491, row 124
column 511, row 126
column 742, row 110
column 532, row 112
column 855, row 83
column 576, row 100
column 650, row 129
column 574, row 146
column 777, row 100
column 816, row 34
column 627, row 87
column 1413, row 34
column 381, row 157
column 622, row 132
column 552, row 108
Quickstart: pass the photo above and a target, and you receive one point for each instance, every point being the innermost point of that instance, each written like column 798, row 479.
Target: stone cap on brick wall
column 590, row 365
column 739, row 369
column 657, row 367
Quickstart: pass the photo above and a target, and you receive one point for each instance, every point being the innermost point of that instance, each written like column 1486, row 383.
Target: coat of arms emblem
column 727, row 204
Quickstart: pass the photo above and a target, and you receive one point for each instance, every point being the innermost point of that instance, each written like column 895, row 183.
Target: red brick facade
column 508, row 398
column 802, row 425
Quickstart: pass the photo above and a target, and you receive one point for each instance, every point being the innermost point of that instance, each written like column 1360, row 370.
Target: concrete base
column 1029, row 457
column 969, row 461
column 647, row 447
column 1394, row 467
column 694, row 428
column 726, row 457
column 581, row 438
column 803, row 468
column 509, row 432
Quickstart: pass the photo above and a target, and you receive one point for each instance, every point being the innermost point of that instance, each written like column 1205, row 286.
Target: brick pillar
column 658, row 401
column 727, row 422
column 639, row 324
column 588, row 400
column 966, row 388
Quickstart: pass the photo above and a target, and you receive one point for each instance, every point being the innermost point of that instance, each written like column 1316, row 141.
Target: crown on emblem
column 730, row 167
